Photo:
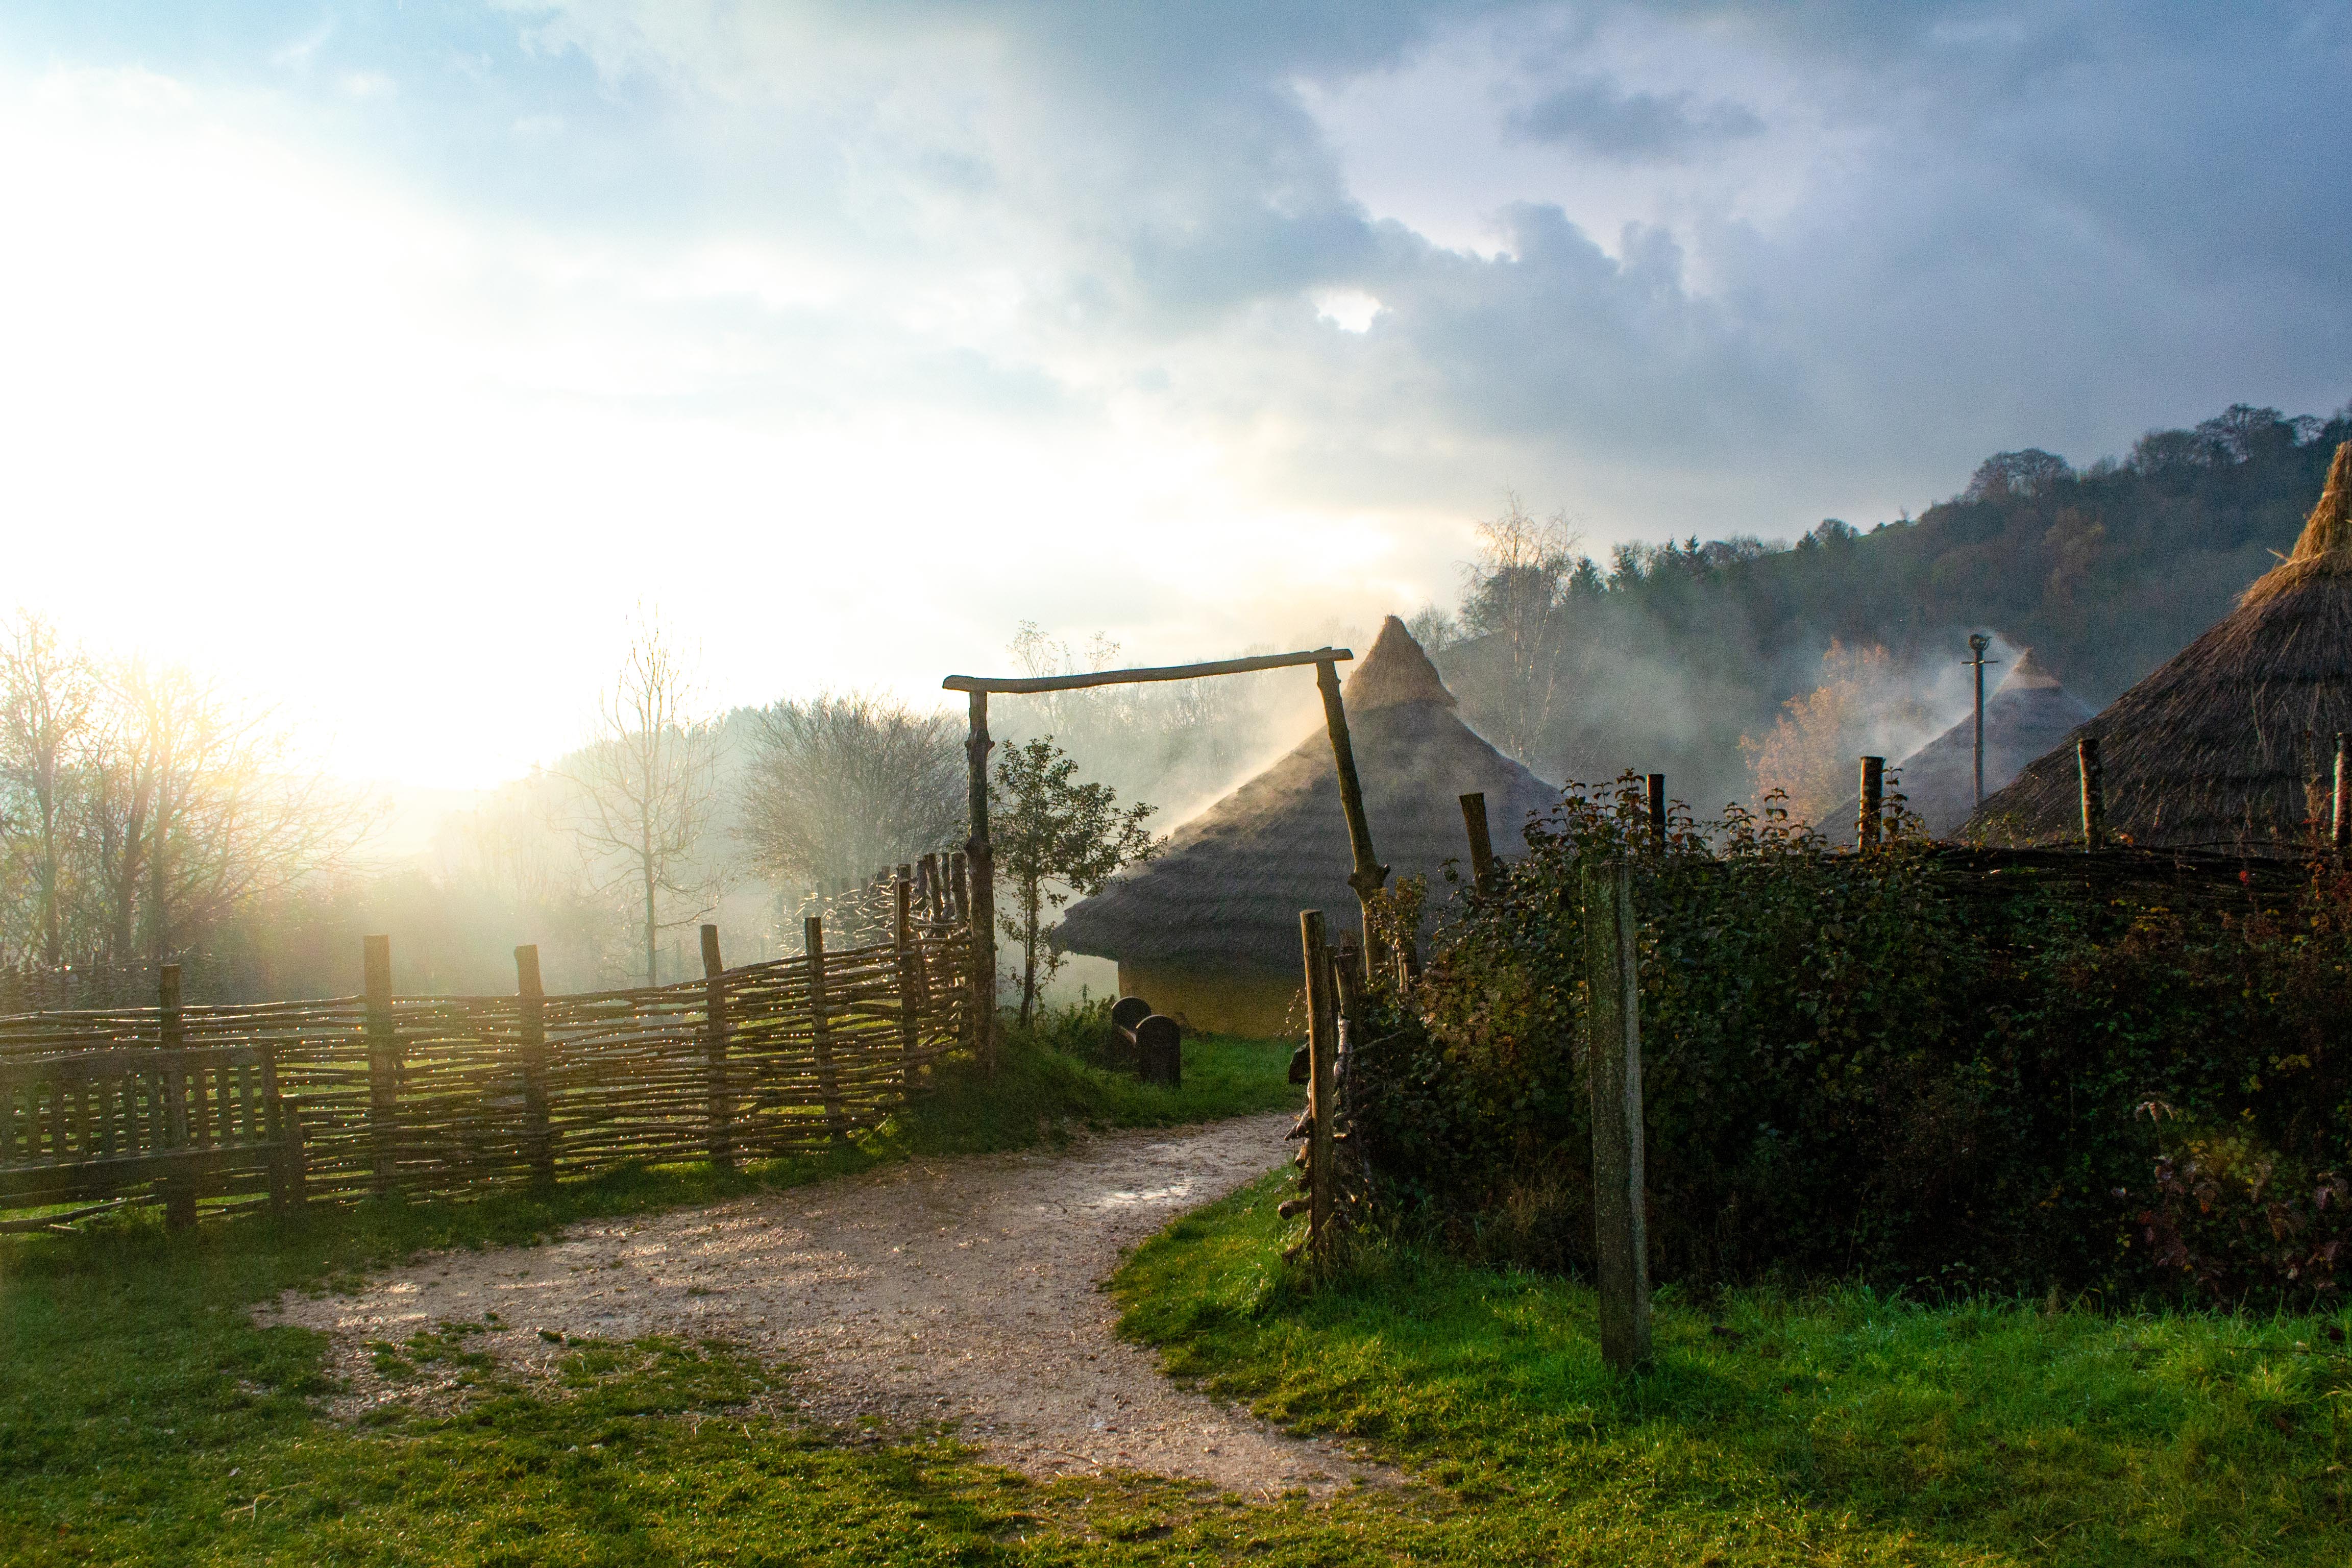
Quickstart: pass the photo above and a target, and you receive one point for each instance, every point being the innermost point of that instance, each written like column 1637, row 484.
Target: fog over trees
column 1665, row 657
column 147, row 814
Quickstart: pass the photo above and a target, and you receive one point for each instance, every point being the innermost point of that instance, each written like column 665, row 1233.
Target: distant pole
column 1978, row 643
column 1867, row 820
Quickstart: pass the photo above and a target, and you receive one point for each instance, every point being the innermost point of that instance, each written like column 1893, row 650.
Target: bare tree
column 231, row 811
column 842, row 785
column 48, row 697
column 1514, row 589
column 646, row 783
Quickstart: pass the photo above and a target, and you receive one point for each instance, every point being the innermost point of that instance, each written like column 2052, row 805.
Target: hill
column 1666, row 656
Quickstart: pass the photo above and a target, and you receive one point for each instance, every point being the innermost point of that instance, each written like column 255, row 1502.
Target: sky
column 387, row 359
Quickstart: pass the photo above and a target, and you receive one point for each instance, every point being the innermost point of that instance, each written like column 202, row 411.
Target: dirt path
column 954, row 1290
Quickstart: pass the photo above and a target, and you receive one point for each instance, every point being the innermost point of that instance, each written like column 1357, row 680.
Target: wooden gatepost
column 1367, row 877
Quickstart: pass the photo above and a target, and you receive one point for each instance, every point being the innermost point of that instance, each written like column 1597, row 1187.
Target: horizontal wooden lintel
column 1128, row 677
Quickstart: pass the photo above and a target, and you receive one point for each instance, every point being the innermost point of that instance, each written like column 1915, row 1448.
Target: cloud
column 1597, row 116
column 1303, row 287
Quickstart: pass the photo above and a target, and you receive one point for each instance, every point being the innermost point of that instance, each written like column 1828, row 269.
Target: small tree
column 48, row 694
column 1515, row 590
column 1054, row 838
column 1809, row 755
column 646, row 783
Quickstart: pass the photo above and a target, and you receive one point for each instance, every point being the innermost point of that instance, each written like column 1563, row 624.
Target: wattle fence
column 432, row 1096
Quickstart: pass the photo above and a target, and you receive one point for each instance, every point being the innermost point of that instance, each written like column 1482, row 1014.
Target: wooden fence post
column 531, row 1029
column 1613, row 1068
column 1657, row 802
column 984, row 887
column 910, row 980
column 1322, row 1042
column 1481, row 846
column 383, row 1064
column 2095, row 794
column 1866, row 825
column 828, row 1081
column 2340, row 820
column 719, row 1092
column 172, row 1035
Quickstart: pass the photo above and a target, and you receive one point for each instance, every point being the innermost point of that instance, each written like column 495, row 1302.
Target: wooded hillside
column 1663, row 657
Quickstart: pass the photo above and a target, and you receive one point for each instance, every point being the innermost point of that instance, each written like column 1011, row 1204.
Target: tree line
column 1665, row 657
column 147, row 815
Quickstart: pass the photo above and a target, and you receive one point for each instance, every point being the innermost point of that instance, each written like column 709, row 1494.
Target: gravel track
column 962, row 1291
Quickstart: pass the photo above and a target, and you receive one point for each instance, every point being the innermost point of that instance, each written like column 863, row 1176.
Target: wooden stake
column 2340, row 822
column 1657, row 792
column 530, row 1012
column 383, row 1062
column 1866, row 823
column 1322, row 1044
column 911, row 977
column 983, row 886
column 1481, row 847
column 929, row 891
column 1347, row 986
column 1613, row 1067
column 720, row 1093
column 2095, row 795
column 828, row 1081
column 170, row 1033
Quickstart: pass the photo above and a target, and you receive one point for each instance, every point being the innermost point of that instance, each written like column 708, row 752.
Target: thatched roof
column 1228, row 888
column 2027, row 714
column 2231, row 743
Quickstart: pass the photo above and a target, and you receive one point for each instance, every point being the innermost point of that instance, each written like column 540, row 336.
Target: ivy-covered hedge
column 1877, row 1065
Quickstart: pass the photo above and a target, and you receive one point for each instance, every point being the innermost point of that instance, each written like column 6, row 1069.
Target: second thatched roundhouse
column 2025, row 716
column 2230, row 744
column 1208, row 931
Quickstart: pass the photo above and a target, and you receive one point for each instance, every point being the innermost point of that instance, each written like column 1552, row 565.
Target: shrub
column 1879, row 1065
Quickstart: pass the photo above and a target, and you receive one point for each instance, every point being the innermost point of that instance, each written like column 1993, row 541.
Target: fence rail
column 440, row 1095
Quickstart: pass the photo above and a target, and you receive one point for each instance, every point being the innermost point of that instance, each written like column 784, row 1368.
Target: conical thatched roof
column 1228, row 888
column 2231, row 743
column 2027, row 714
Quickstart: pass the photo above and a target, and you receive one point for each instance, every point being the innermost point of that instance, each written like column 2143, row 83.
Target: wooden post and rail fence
column 378, row 1094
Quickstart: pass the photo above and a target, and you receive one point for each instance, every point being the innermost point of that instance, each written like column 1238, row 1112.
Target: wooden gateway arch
column 1367, row 878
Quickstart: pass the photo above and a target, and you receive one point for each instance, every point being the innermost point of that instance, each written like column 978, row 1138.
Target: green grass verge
column 145, row 1419
column 1836, row 1427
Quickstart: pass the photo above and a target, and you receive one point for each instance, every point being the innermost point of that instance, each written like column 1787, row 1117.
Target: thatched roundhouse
column 2231, row 743
column 2025, row 716
column 1208, row 931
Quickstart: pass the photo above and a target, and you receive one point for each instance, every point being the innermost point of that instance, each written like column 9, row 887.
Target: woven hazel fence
column 445, row 1095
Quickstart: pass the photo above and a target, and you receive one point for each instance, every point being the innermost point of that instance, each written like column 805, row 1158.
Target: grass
column 1838, row 1427
column 144, row 1418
